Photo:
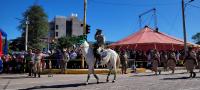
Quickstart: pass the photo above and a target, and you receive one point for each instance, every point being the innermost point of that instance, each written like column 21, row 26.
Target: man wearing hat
column 100, row 41
column 99, row 37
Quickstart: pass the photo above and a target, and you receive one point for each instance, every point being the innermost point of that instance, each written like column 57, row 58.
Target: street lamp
column 184, row 27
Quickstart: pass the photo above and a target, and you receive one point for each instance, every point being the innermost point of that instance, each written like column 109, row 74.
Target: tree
column 67, row 42
column 16, row 44
column 196, row 38
column 37, row 28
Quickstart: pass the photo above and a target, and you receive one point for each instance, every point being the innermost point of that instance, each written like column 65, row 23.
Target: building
column 62, row 26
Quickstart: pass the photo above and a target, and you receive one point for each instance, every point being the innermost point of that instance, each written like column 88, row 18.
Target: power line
column 194, row 6
column 132, row 5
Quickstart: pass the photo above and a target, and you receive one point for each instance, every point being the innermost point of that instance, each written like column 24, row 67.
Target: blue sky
column 117, row 18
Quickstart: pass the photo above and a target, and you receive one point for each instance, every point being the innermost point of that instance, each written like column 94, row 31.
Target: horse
column 111, row 59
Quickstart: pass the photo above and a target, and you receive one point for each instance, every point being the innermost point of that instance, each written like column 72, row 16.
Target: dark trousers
column 30, row 68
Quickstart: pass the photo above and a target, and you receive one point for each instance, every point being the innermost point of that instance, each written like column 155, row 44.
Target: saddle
column 96, row 55
column 99, row 56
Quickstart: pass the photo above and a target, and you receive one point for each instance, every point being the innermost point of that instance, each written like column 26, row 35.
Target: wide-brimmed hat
column 99, row 30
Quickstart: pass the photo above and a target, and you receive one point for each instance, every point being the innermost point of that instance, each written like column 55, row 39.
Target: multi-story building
column 65, row 26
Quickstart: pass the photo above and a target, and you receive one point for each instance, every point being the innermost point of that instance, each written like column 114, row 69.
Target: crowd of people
column 21, row 62
column 34, row 61
column 153, row 59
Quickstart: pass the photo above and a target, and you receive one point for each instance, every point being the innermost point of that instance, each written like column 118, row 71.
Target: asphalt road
column 141, row 81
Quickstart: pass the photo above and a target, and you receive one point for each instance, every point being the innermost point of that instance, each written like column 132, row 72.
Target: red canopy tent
column 148, row 38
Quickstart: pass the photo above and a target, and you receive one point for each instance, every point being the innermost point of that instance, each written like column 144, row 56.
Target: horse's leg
column 115, row 72
column 89, row 72
column 95, row 76
column 88, row 77
column 107, row 80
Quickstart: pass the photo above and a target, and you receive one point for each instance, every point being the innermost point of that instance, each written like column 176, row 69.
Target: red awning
column 148, row 38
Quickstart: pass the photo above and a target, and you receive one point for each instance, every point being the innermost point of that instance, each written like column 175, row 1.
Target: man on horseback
column 100, row 41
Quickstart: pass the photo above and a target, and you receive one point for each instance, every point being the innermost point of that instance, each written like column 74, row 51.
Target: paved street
column 141, row 81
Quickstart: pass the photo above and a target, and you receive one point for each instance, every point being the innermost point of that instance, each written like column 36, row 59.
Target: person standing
column 164, row 59
column 29, row 62
column 124, row 62
column 155, row 61
column 37, row 62
column 1, row 65
column 65, row 59
column 190, row 62
column 198, row 59
column 171, row 62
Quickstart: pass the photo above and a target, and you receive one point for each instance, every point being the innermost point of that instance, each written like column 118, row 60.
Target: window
column 56, row 26
column 56, row 34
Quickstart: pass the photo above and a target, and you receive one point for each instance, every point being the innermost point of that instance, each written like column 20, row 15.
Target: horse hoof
column 107, row 80
column 97, row 82
column 86, row 83
column 113, row 81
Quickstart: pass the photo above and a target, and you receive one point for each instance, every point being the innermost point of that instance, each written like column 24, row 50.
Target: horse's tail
column 118, row 61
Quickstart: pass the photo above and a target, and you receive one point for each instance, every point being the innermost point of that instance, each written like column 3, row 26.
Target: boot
column 159, row 72
column 29, row 74
column 172, row 71
column 34, row 74
column 39, row 74
column 194, row 75
column 190, row 74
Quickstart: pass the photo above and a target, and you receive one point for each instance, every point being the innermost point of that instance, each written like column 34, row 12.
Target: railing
column 137, row 63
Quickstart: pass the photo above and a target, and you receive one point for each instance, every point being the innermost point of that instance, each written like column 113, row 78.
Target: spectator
column 172, row 61
column 164, row 59
column 155, row 61
column 29, row 62
column 73, row 54
column 1, row 65
column 124, row 60
column 65, row 59
column 191, row 62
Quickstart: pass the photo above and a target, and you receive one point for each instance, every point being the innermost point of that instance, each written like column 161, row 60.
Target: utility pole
column 84, row 29
column 26, row 37
column 184, row 28
column 84, row 19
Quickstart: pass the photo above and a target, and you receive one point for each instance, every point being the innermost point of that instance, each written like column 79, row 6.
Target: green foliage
column 67, row 42
column 196, row 38
column 17, row 44
column 37, row 28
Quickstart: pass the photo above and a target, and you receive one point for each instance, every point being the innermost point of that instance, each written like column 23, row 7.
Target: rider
column 99, row 37
column 100, row 41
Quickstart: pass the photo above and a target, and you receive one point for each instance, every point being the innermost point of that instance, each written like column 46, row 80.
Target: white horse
column 111, row 59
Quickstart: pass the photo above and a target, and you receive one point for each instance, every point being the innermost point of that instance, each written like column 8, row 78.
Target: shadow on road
column 60, row 86
column 143, row 75
column 167, row 74
column 178, row 78
column 21, row 77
